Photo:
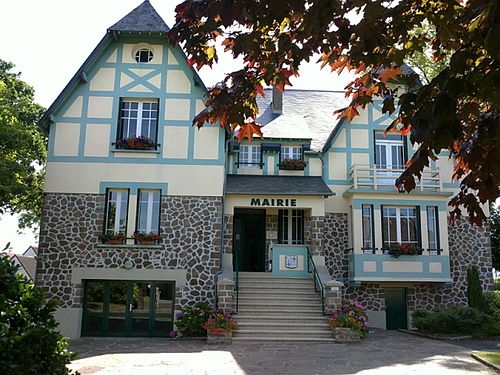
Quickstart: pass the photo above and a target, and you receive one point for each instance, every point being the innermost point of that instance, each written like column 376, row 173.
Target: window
column 144, row 55
column 148, row 211
column 138, row 119
column 291, row 227
column 249, row 156
column 432, row 227
column 291, row 152
column 368, row 239
column 399, row 225
column 116, row 211
column 389, row 150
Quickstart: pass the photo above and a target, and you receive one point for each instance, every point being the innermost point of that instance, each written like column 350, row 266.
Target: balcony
column 374, row 177
column 378, row 265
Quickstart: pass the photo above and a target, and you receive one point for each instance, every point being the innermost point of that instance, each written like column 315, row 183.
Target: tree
column 475, row 296
column 495, row 236
column 456, row 111
column 22, row 148
column 29, row 342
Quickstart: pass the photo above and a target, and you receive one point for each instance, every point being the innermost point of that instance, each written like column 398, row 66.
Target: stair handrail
column 318, row 284
column 237, row 280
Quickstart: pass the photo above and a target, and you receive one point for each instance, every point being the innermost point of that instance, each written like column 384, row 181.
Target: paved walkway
column 384, row 352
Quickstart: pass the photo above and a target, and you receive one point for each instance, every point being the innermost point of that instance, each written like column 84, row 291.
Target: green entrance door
column 249, row 240
column 396, row 313
column 127, row 308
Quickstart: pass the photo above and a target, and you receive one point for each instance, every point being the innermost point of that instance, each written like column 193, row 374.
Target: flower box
column 114, row 242
column 113, row 238
column 396, row 250
column 143, row 238
column 343, row 334
column 136, row 143
column 225, row 338
column 292, row 164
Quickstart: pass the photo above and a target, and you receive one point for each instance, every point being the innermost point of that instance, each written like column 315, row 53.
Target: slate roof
column 144, row 18
column 276, row 185
column 307, row 114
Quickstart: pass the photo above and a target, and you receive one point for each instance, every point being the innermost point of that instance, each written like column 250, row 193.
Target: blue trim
column 451, row 185
column 356, row 261
column 133, row 186
column 289, row 250
column 357, row 203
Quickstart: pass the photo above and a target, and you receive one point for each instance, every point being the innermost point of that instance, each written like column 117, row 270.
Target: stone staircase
column 275, row 309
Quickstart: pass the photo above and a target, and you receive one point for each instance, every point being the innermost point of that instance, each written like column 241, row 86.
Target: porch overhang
column 277, row 185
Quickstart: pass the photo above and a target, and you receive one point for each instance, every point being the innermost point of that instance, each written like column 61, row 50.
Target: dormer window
column 144, row 55
column 250, row 156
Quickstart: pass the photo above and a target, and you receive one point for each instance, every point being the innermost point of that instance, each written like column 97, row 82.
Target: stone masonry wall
column 335, row 244
column 190, row 228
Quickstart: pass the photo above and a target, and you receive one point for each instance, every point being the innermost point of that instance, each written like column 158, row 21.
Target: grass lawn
column 493, row 357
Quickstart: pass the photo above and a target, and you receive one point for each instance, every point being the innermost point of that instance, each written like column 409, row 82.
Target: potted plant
column 220, row 327
column 293, row 164
column 396, row 250
column 136, row 143
column 113, row 238
column 146, row 238
column 349, row 323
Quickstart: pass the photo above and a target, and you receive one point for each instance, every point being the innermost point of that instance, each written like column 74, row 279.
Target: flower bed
column 293, row 164
column 136, row 143
column 349, row 322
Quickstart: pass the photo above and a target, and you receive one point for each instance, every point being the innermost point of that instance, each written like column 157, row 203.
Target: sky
column 49, row 40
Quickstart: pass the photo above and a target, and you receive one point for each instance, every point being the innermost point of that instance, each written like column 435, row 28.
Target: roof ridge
column 143, row 18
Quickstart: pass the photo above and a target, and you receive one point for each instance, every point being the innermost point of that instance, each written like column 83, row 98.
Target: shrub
column 474, row 290
column 190, row 319
column 350, row 315
column 492, row 304
column 450, row 320
column 29, row 341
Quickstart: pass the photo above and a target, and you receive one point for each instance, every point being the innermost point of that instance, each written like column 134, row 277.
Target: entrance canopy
column 276, row 185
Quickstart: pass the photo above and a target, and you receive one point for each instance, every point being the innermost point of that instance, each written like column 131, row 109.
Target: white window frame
column 393, row 150
column 150, row 202
column 122, row 195
column 432, row 227
column 125, row 118
column 367, row 213
column 399, row 216
column 291, row 152
column 292, row 234
column 250, row 157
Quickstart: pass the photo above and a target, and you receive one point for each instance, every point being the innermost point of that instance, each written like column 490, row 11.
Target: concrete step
column 284, row 305
column 278, row 297
column 291, row 293
column 281, row 319
column 262, row 339
column 281, row 312
column 288, row 280
column 279, row 333
column 264, row 325
column 273, row 287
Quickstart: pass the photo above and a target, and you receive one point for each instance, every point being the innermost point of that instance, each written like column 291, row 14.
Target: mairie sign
column 272, row 202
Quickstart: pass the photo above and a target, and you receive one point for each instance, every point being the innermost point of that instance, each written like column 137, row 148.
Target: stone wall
column 190, row 228
column 335, row 244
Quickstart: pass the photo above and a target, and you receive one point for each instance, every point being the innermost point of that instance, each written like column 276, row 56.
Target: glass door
column 128, row 308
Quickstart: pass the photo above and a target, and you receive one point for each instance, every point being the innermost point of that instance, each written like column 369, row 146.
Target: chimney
column 277, row 103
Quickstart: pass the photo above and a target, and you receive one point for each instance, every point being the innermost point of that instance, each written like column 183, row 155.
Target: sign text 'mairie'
column 272, row 202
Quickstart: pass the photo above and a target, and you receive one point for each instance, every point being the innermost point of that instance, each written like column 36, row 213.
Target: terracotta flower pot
column 114, row 242
column 146, row 242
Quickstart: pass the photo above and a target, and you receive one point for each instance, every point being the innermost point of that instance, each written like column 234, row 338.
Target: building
column 220, row 206
column 26, row 262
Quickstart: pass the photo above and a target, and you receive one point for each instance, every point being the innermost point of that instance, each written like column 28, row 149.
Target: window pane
column 95, row 296
column 164, row 298
column 432, row 227
column 116, row 212
column 297, row 227
column 148, row 211
column 249, row 156
column 283, row 226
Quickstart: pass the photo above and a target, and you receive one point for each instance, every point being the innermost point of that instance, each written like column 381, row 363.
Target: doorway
column 128, row 308
column 249, row 239
column 396, row 314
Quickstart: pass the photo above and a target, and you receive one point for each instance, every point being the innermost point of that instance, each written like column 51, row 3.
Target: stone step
column 284, row 304
column 278, row 333
column 275, row 292
column 279, row 297
column 275, row 286
column 281, row 319
column 264, row 325
column 289, row 280
column 281, row 312
column 262, row 339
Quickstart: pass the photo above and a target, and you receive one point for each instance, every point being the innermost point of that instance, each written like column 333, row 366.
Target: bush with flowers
column 190, row 319
column 350, row 314
column 220, row 323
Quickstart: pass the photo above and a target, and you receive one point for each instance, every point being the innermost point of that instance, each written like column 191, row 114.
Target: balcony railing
column 374, row 177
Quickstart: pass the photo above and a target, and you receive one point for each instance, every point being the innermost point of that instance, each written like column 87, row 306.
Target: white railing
column 375, row 177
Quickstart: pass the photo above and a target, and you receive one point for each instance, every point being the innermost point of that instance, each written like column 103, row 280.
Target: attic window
column 144, row 55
